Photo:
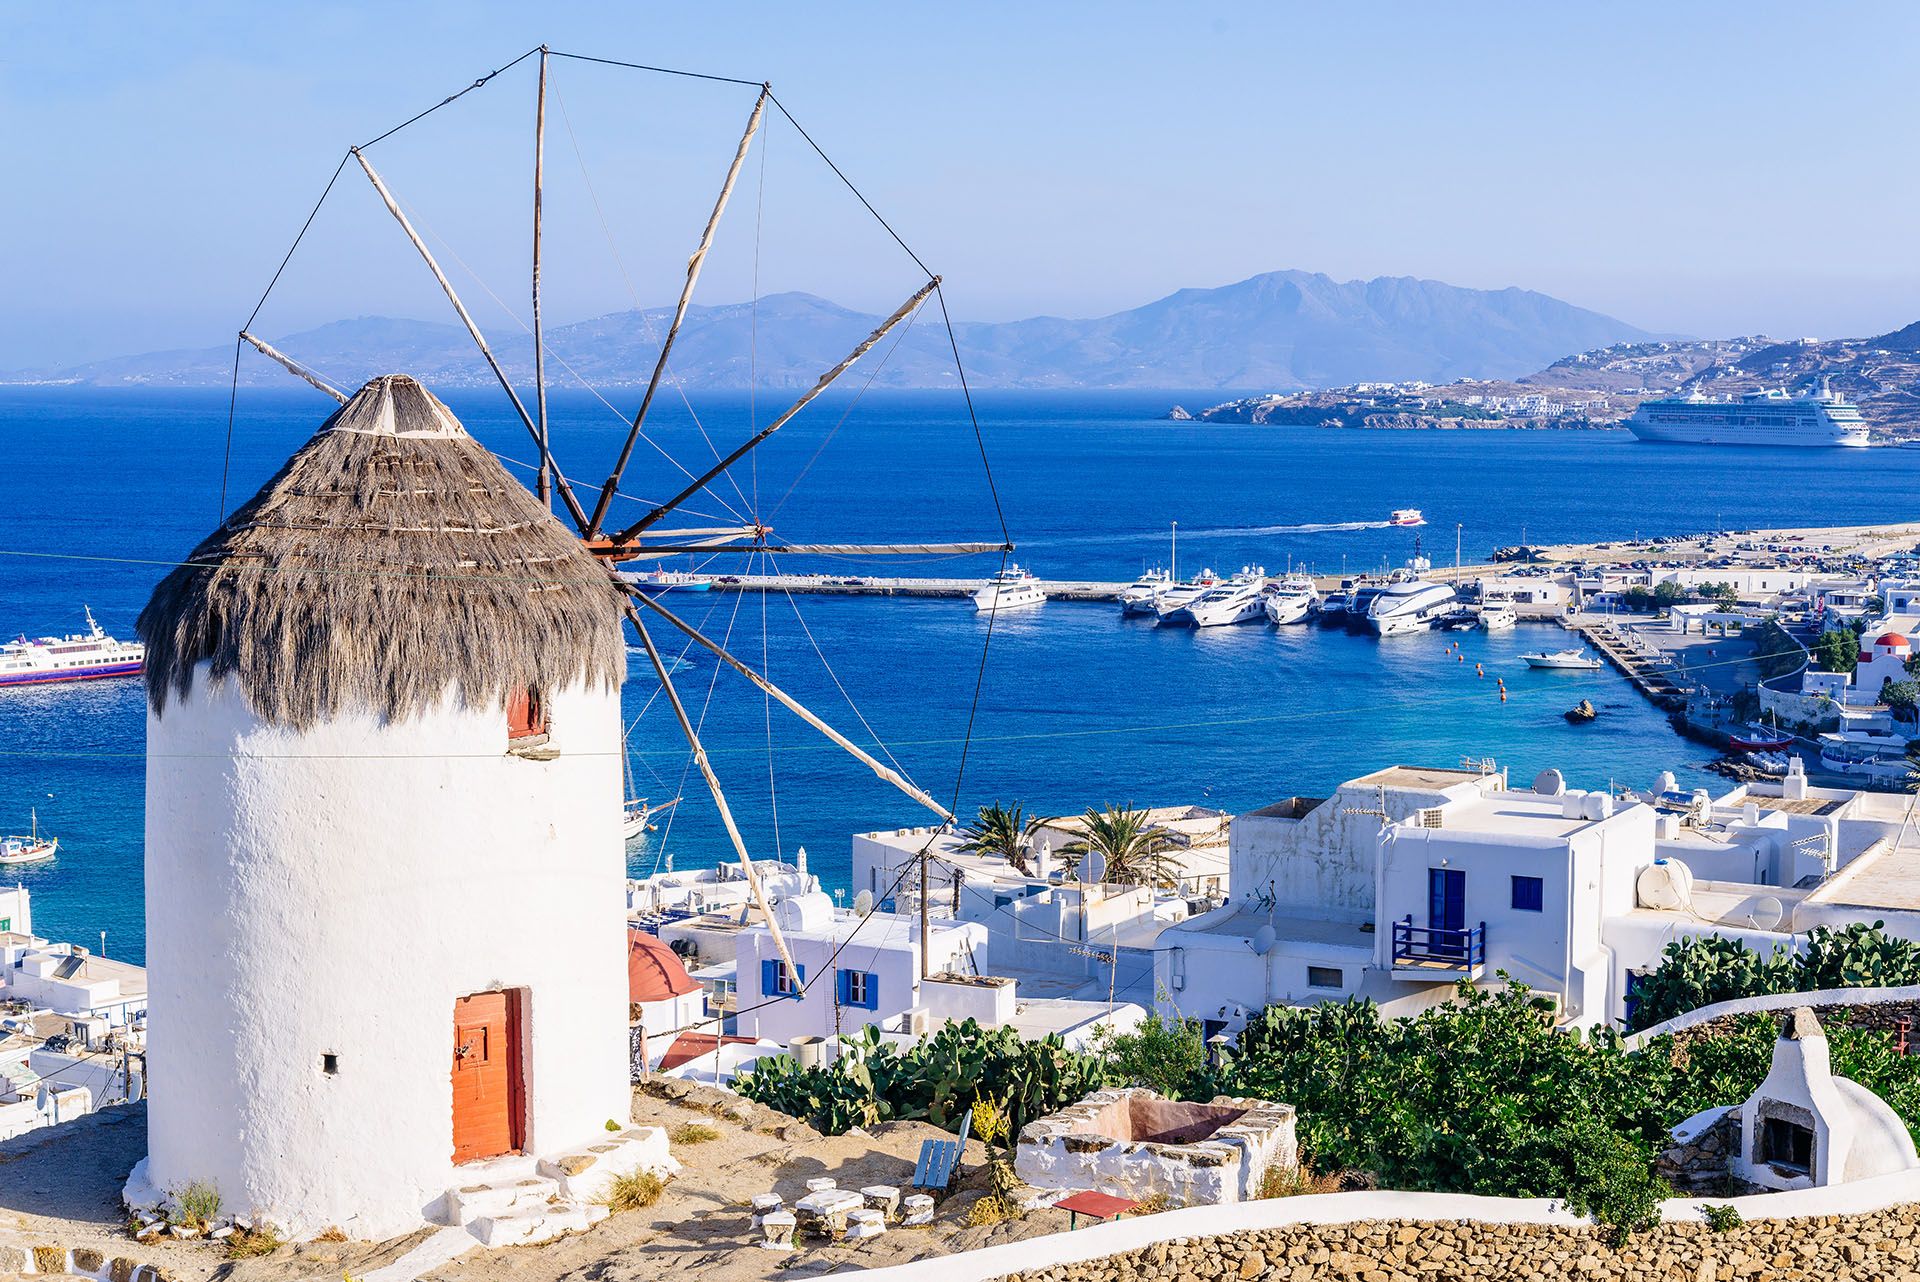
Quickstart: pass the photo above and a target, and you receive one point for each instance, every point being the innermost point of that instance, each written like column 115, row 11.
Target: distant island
column 1287, row 330
column 1601, row 387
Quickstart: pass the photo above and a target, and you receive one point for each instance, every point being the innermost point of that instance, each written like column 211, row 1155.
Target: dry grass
column 692, row 1133
column 245, row 1244
column 195, row 1206
column 1153, row 1205
column 633, row 1191
column 376, row 570
column 332, row 1233
column 1293, row 1181
column 991, row 1210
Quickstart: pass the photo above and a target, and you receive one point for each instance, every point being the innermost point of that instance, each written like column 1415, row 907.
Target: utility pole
column 543, row 480
column 1457, row 527
column 923, row 910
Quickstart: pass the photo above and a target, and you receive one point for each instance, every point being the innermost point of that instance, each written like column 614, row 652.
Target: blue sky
column 1701, row 168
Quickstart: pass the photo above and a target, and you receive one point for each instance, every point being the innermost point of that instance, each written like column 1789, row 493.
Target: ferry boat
column 83, row 656
column 1563, row 661
column 1410, row 605
column 33, row 849
column 1759, row 418
column 1293, row 601
column 1011, row 589
column 1406, row 516
column 659, row 581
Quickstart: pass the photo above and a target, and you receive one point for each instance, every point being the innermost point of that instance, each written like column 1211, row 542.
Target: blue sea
column 103, row 490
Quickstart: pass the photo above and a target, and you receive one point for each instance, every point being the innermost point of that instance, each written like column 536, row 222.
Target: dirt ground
column 61, row 1186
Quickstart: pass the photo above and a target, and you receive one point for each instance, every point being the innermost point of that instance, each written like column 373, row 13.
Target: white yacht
column 1293, row 600
column 1563, row 661
column 1011, row 589
column 1177, row 596
column 1759, row 418
column 1238, row 600
column 1410, row 605
column 1497, row 618
column 1138, row 597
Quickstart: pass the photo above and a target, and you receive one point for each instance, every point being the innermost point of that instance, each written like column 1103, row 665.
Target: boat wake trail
column 1217, row 532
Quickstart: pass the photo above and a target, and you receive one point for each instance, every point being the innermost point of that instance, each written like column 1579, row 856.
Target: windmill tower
column 383, row 851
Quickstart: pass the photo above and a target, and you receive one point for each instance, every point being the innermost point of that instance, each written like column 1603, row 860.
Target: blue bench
column 940, row 1159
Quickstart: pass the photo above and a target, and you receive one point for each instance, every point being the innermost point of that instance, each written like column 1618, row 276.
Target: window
column 860, row 988
column 777, row 981
column 330, row 1063
column 526, row 718
column 1325, row 977
column 1528, row 892
column 1786, row 1145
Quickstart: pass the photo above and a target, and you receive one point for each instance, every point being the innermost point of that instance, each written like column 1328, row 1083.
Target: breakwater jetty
column 1646, row 670
column 869, row 585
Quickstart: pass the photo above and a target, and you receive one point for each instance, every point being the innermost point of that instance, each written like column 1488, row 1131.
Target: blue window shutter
column 799, row 978
column 767, row 977
column 873, row 991
column 842, row 982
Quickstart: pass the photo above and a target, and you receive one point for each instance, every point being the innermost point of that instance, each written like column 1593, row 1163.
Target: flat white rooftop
column 1512, row 814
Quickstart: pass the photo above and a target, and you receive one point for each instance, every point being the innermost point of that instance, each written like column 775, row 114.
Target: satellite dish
column 1767, row 913
column 1263, row 940
column 863, row 903
column 1549, row 783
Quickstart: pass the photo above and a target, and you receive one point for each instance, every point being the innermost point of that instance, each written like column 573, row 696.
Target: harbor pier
column 869, row 585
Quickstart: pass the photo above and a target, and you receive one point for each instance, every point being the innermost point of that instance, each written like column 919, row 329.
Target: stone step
column 584, row 1174
column 529, row 1225
column 472, row 1202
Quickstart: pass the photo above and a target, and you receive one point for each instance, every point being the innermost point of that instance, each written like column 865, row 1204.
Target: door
column 488, row 1091
column 1447, row 909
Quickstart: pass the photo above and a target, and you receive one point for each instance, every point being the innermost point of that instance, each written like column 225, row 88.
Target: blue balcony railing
column 1439, row 947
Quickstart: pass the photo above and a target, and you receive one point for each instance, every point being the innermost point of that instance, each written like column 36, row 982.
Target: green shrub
column 196, row 1205
column 1168, row 1055
column 1721, row 1218
column 1699, row 972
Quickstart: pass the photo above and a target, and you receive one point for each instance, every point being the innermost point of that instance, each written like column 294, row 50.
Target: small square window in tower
column 526, row 719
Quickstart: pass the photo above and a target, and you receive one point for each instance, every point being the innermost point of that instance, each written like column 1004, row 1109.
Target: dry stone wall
column 1861, row 1248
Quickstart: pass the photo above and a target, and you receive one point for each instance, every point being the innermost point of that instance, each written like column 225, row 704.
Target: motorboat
column 1333, row 608
column 1292, row 601
column 80, row 656
column 1497, row 618
column 1563, row 661
column 1461, row 620
column 1011, row 589
column 32, row 849
column 1759, row 737
column 1410, row 605
column 1138, row 597
column 1177, row 596
column 1238, row 600
column 1406, row 516
column 1360, row 608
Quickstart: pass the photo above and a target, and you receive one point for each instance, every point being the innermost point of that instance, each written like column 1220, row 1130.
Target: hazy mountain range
column 1278, row 331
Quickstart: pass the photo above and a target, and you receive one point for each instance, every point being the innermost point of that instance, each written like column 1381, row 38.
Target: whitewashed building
column 384, row 863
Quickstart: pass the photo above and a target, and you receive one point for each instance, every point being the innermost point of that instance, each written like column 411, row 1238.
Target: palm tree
column 1134, row 852
column 998, row 830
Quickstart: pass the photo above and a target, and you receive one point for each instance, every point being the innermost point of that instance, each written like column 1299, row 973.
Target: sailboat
column 33, row 849
column 637, row 813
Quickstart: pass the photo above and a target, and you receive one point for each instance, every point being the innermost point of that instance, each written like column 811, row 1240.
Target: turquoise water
column 1077, row 707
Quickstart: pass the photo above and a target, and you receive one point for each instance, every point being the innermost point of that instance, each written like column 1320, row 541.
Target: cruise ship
column 83, row 656
column 1758, row 418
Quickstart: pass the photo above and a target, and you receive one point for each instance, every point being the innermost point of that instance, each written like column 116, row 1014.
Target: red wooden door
column 487, row 1082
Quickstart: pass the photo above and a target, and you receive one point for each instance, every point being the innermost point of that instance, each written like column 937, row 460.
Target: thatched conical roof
column 391, row 557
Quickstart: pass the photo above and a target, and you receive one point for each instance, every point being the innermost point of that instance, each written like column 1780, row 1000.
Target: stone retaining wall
column 1869, row 1008
column 1861, row 1248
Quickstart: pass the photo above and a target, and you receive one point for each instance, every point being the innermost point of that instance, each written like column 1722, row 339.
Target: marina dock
column 1647, row 672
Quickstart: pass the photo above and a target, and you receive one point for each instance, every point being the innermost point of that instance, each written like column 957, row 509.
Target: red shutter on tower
column 526, row 718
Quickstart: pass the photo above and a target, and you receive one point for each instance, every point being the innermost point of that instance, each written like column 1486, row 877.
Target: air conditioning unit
column 917, row 1022
column 1432, row 817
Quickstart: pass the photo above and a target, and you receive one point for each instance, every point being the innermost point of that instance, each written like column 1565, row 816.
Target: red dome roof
column 654, row 972
column 1891, row 638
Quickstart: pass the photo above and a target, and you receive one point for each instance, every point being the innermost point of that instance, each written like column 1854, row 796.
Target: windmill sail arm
column 880, row 769
column 826, row 380
column 713, row 785
column 694, row 264
column 293, row 367
column 805, row 549
column 460, row 309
